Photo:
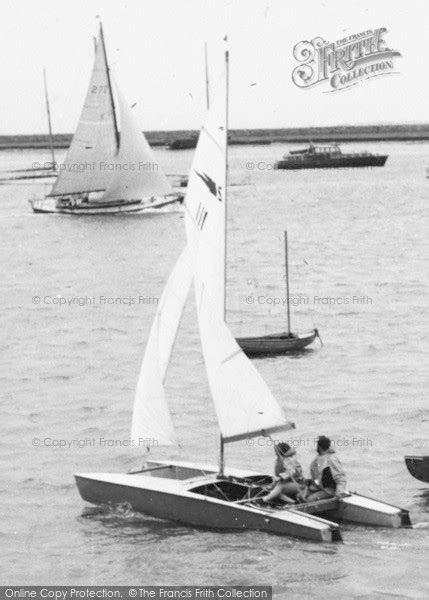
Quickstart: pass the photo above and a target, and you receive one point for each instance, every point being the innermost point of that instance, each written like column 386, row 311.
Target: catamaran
column 106, row 171
column 279, row 343
column 207, row 495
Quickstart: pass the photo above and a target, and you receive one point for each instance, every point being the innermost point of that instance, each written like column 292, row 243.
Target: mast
column 226, row 181
column 109, row 83
column 48, row 110
column 287, row 285
column 207, row 77
column 222, row 457
column 222, row 443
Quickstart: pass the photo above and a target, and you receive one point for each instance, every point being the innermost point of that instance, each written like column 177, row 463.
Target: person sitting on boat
column 289, row 480
column 327, row 473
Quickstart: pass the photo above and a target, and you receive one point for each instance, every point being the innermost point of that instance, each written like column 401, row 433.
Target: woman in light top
column 289, row 480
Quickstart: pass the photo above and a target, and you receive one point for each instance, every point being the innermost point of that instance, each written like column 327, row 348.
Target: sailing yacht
column 284, row 342
column 207, row 495
column 106, row 171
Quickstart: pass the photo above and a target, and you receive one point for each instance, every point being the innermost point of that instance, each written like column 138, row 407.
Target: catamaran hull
column 360, row 510
column 177, row 492
column 275, row 344
column 49, row 205
column 199, row 511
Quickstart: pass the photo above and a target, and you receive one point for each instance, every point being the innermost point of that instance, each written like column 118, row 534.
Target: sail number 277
column 99, row 89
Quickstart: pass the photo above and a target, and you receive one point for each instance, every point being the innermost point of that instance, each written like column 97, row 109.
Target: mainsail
column 94, row 143
column 151, row 423
column 245, row 407
column 137, row 175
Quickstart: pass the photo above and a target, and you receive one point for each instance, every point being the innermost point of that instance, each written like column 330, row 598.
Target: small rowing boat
column 418, row 467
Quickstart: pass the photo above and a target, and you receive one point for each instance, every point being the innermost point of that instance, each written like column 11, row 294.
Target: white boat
column 105, row 171
column 198, row 494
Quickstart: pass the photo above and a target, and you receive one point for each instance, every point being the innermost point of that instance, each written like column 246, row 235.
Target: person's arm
column 286, row 471
column 313, row 471
column 339, row 476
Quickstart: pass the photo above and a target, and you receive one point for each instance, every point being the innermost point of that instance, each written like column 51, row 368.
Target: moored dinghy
column 105, row 171
column 418, row 467
column 279, row 343
column 198, row 494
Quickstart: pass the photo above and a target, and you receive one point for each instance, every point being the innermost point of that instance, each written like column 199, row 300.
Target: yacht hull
column 50, row 205
column 274, row 344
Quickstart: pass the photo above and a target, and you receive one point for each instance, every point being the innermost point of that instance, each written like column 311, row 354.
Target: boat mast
column 287, row 285
column 109, row 83
column 48, row 110
column 226, row 181
column 207, row 77
column 222, row 443
column 222, row 457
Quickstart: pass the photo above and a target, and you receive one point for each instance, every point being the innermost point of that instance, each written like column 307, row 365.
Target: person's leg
column 284, row 491
column 286, row 499
column 320, row 495
column 275, row 493
column 291, row 488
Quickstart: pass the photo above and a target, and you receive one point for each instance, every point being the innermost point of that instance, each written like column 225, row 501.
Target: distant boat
column 48, row 170
column 418, row 467
column 106, row 171
column 328, row 157
column 183, row 144
column 194, row 493
column 279, row 343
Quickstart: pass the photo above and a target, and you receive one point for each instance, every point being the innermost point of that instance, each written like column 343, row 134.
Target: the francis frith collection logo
column 344, row 63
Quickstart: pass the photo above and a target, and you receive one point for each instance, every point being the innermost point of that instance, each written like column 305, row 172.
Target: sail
column 151, row 422
column 94, row 143
column 137, row 174
column 244, row 405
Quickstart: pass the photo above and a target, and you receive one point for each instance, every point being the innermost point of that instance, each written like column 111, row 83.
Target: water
column 69, row 373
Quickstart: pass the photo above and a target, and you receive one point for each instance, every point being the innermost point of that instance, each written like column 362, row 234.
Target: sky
column 156, row 53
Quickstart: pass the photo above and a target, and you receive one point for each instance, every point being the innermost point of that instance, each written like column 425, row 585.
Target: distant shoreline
column 249, row 136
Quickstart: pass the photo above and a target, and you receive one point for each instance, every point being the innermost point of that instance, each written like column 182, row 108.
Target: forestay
column 94, row 144
column 137, row 175
column 151, row 422
column 244, row 405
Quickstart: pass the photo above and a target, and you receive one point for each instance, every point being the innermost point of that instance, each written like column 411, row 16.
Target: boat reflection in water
column 328, row 157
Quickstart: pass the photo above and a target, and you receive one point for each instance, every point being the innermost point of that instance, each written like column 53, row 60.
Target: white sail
column 245, row 407
column 151, row 423
column 137, row 174
column 94, row 144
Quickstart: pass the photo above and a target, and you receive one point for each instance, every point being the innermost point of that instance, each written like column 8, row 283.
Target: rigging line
column 210, row 136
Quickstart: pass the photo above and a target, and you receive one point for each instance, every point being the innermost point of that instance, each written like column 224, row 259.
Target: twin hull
column 169, row 494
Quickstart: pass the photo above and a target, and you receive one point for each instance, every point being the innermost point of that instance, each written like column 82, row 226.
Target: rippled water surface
column 358, row 262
